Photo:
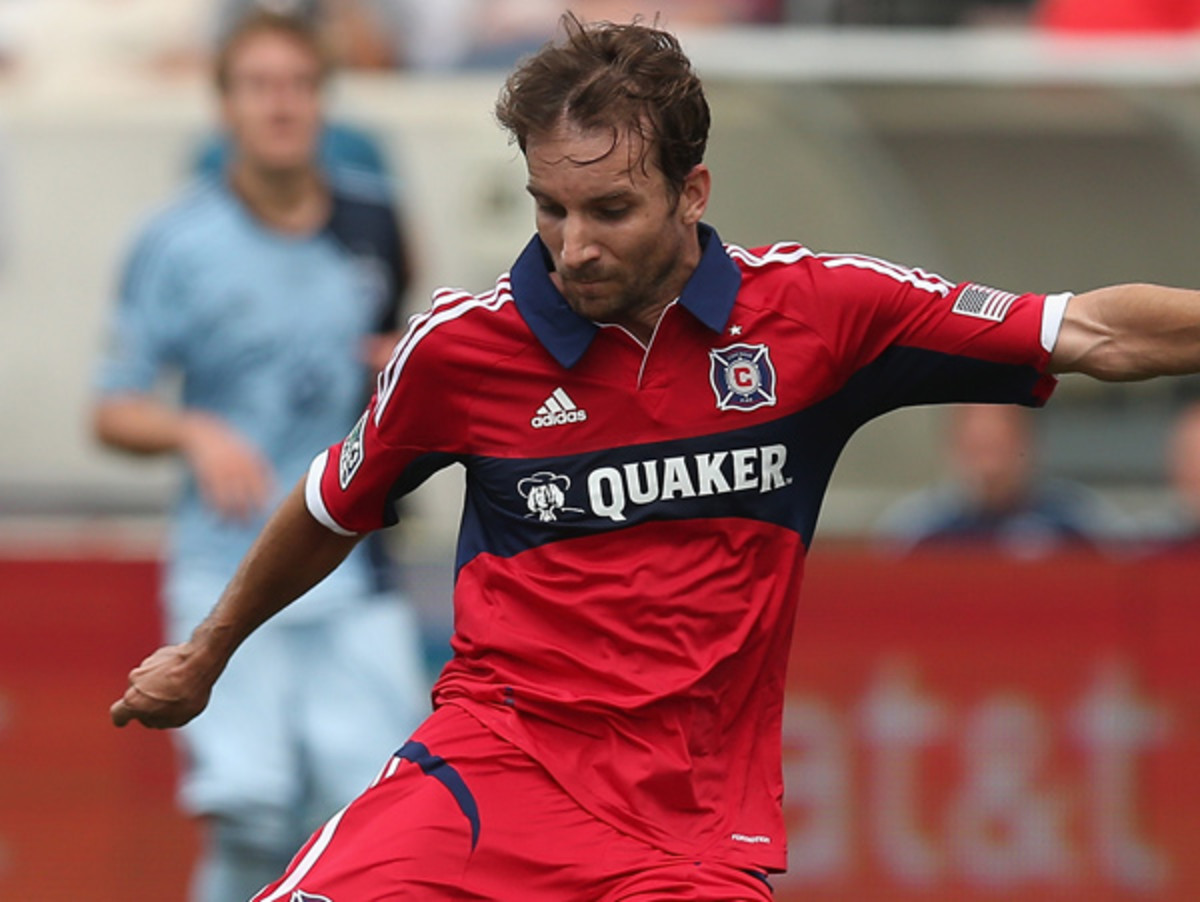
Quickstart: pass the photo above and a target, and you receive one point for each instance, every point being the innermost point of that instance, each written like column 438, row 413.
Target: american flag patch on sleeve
column 983, row 302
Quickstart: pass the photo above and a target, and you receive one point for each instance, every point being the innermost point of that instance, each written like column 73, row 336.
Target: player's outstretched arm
column 292, row 554
column 1128, row 332
column 234, row 478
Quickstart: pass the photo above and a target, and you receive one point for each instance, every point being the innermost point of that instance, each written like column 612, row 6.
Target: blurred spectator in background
column 62, row 46
column 12, row 23
column 375, row 34
column 342, row 146
column 1177, row 528
column 995, row 497
column 912, row 13
column 1118, row 16
column 68, row 42
column 498, row 32
column 264, row 289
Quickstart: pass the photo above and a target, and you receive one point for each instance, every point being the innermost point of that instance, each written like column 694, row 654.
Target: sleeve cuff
column 1053, row 311
column 314, row 501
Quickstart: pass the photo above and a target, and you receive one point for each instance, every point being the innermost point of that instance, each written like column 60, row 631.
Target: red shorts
column 461, row 814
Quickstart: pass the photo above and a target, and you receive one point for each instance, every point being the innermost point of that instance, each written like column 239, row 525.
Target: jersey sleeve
column 147, row 327
column 906, row 336
column 414, row 425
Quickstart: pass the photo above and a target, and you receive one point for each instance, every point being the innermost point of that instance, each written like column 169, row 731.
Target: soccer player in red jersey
column 648, row 418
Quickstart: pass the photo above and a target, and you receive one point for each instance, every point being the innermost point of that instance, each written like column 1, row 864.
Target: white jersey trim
column 791, row 252
column 312, row 496
column 781, row 252
column 915, row 277
column 1053, row 311
column 315, row 851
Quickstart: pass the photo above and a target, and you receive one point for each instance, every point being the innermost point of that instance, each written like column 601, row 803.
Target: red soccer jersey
column 636, row 519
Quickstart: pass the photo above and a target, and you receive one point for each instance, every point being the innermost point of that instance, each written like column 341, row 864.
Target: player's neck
column 295, row 201
column 642, row 321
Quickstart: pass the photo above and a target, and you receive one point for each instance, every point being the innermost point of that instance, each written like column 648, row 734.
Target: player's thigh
column 364, row 693
column 459, row 814
column 411, row 835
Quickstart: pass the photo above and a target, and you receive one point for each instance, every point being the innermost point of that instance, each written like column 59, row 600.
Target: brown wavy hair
column 259, row 22
column 631, row 79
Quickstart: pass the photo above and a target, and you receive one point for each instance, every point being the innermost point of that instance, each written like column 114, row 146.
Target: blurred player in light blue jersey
column 269, row 290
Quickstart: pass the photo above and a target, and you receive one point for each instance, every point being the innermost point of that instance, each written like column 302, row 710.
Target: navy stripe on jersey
column 514, row 504
column 909, row 377
column 436, row 767
column 774, row 472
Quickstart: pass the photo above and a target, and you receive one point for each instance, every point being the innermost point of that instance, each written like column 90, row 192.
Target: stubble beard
column 627, row 299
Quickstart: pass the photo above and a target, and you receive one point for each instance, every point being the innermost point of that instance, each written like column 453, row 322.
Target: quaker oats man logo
column 545, row 495
column 742, row 377
column 352, row 453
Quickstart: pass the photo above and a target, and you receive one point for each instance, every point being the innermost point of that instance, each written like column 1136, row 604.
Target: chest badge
column 742, row 377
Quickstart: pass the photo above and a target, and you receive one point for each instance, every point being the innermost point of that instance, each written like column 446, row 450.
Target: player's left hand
column 166, row 690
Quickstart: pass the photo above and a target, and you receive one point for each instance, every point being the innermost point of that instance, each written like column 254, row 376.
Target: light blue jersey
column 266, row 331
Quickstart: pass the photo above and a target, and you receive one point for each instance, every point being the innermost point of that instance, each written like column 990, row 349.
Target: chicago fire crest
column 742, row 377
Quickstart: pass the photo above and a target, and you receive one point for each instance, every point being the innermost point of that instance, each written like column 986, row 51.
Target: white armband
column 1053, row 311
column 313, row 500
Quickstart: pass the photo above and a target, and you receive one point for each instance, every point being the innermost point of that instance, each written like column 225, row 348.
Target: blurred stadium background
column 959, row 728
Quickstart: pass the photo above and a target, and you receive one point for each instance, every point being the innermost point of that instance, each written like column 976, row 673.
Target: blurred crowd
column 997, row 494
column 60, row 38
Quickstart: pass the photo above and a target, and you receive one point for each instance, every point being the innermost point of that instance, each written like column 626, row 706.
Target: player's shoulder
column 785, row 256
column 191, row 219
column 830, row 274
column 770, row 271
column 458, row 340
column 769, row 258
column 774, row 276
column 459, row 322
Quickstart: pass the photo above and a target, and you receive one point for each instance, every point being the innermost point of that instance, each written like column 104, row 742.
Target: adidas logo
column 557, row 410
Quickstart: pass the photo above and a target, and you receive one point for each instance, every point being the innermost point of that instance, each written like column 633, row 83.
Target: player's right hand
column 234, row 478
column 165, row 690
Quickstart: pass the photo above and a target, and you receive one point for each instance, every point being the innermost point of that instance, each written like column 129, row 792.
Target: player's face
column 992, row 452
column 622, row 243
column 272, row 105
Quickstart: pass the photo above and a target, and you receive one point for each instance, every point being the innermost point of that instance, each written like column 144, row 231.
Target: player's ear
column 693, row 196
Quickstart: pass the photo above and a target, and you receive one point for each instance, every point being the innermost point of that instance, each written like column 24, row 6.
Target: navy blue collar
column 709, row 295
